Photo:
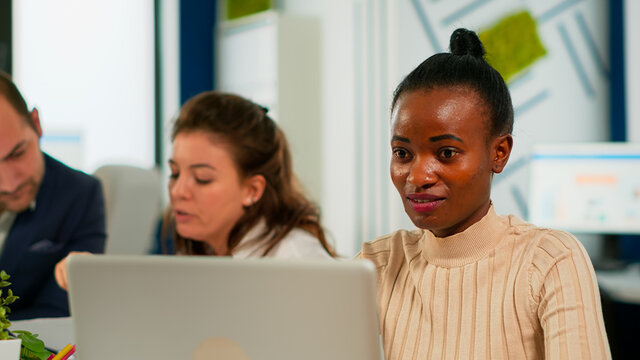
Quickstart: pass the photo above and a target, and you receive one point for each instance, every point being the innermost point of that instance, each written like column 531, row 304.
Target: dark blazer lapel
column 23, row 232
column 20, row 237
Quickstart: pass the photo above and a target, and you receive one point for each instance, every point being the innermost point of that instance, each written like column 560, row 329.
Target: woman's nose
column 179, row 188
column 422, row 173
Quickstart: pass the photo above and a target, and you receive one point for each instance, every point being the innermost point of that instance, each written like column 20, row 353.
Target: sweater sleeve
column 566, row 300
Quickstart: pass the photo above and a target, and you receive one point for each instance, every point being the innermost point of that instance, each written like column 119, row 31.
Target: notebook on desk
column 175, row 307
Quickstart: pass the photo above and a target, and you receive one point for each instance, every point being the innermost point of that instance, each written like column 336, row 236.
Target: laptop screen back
column 174, row 307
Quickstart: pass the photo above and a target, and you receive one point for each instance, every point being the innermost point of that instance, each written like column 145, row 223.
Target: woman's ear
column 501, row 150
column 254, row 188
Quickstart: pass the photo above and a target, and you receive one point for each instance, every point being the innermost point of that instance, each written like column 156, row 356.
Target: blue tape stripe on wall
column 591, row 43
column 463, row 11
column 577, row 63
column 556, row 10
column 426, row 25
column 197, row 24
column 531, row 103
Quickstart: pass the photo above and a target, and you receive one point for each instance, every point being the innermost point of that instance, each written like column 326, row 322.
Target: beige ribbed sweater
column 502, row 289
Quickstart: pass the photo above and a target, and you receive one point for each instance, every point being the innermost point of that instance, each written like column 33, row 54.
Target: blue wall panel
column 197, row 24
column 616, row 45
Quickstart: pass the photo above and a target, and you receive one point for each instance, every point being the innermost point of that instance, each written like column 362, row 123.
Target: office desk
column 55, row 332
column 621, row 310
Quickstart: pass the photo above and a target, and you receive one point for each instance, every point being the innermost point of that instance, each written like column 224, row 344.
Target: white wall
column 339, row 208
column 370, row 45
column 340, row 215
column 88, row 66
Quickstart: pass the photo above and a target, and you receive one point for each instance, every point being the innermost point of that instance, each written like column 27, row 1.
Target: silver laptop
column 179, row 307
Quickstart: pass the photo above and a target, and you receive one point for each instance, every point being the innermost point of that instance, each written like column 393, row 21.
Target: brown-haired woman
column 232, row 188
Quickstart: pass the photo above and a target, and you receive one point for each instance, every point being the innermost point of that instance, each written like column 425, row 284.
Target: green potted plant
column 18, row 344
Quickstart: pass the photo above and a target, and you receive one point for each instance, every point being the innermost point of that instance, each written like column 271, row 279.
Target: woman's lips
column 424, row 202
column 182, row 216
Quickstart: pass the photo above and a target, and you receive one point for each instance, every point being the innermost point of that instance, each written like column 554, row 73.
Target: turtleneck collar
column 465, row 247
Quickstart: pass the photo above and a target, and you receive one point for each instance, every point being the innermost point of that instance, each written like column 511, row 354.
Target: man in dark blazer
column 46, row 210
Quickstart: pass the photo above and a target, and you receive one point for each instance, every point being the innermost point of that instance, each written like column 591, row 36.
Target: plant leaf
column 4, row 276
column 26, row 354
column 30, row 341
column 4, row 283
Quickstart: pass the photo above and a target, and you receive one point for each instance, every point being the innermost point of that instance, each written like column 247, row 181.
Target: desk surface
column 623, row 285
column 55, row 332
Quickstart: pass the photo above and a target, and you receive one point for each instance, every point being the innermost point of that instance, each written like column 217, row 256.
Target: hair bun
column 466, row 42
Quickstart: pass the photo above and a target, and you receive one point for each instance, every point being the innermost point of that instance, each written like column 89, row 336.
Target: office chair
column 133, row 197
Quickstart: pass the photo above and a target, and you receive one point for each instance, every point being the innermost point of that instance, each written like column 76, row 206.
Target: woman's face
column 442, row 159
column 207, row 194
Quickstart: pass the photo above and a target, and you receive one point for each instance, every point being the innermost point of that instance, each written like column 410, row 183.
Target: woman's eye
column 203, row 181
column 400, row 153
column 448, row 153
column 173, row 176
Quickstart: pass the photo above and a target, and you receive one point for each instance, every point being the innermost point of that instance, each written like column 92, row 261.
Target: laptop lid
column 179, row 307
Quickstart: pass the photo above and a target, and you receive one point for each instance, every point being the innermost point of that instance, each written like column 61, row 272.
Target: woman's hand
column 61, row 269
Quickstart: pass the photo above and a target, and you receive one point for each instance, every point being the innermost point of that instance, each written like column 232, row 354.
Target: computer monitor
column 586, row 187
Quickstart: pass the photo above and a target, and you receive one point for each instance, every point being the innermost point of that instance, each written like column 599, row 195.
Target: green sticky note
column 512, row 44
column 240, row 8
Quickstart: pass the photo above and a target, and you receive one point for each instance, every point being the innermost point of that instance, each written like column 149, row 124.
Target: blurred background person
column 46, row 210
column 232, row 187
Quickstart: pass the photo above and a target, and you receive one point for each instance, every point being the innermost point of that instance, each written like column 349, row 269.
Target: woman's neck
column 219, row 244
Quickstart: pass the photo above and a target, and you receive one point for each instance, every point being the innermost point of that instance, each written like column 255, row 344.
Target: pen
column 71, row 352
column 62, row 354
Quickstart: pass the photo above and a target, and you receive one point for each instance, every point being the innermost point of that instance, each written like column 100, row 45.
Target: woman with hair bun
column 469, row 283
